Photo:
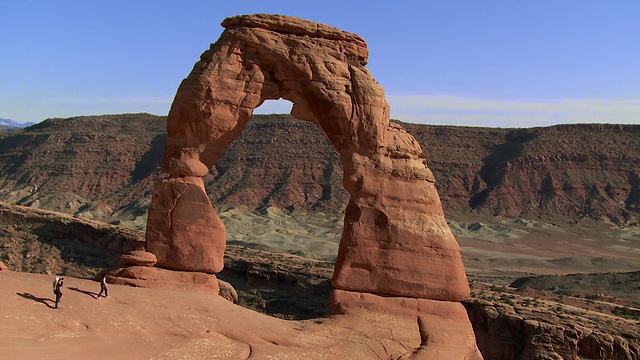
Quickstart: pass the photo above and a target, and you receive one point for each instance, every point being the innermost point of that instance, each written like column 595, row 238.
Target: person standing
column 57, row 290
column 103, row 287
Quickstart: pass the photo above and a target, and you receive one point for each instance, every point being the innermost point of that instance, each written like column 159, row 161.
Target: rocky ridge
column 572, row 171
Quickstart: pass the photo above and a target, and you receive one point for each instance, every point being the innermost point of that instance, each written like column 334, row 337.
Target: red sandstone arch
column 395, row 240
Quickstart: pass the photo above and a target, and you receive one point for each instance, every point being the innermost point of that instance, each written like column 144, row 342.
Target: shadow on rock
column 86, row 292
column 37, row 299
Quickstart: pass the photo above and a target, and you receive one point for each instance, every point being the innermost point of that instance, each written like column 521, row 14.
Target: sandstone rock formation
column 444, row 327
column 179, row 253
column 396, row 242
column 154, row 277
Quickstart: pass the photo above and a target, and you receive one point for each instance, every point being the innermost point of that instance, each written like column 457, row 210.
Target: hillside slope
column 572, row 171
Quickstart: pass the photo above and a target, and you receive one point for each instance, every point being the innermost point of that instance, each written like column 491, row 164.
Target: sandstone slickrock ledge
column 444, row 327
column 396, row 243
column 154, row 277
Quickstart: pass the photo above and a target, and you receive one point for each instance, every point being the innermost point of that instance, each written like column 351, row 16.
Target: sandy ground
column 515, row 248
column 137, row 323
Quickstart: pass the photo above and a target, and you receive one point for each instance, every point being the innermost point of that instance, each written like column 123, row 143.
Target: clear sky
column 510, row 63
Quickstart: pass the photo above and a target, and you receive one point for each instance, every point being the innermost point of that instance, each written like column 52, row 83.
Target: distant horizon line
column 23, row 125
column 412, row 108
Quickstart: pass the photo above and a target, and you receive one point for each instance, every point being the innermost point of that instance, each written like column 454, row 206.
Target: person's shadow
column 37, row 299
column 86, row 292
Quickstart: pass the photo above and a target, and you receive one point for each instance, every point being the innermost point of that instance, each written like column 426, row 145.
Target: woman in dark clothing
column 57, row 291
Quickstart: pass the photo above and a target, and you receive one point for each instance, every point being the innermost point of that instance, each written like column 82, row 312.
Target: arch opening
column 280, row 180
column 279, row 196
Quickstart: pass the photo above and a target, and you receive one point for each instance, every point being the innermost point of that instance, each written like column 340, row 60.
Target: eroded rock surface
column 154, row 277
column 444, row 327
column 139, row 323
column 506, row 333
column 184, row 231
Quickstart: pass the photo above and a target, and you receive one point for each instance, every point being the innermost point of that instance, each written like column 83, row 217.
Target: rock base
column 444, row 326
column 158, row 278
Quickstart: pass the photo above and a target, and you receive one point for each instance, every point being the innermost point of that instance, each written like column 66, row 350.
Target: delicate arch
column 395, row 239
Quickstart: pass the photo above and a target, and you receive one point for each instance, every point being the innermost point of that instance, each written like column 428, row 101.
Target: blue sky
column 480, row 63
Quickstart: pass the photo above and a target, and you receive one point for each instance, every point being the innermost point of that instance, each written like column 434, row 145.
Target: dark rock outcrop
column 506, row 334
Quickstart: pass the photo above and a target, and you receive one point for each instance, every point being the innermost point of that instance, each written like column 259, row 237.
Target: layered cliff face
column 562, row 172
column 93, row 164
column 571, row 171
column 279, row 161
column 516, row 332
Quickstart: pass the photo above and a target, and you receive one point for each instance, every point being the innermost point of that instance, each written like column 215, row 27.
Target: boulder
column 138, row 258
column 227, row 291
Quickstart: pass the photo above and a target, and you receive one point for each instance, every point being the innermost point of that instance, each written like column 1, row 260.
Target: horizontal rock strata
column 138, row 258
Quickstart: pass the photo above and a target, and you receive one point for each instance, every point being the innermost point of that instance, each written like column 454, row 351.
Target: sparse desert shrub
column 499, row 289
column 507, row 299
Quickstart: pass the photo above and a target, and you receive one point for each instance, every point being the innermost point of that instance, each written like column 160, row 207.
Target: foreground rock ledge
column 139, row 323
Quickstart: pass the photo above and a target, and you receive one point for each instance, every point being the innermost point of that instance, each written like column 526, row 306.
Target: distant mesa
column 14, row 124
column 397, row 254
